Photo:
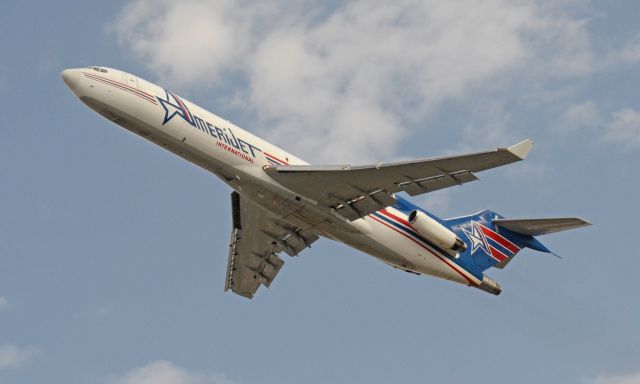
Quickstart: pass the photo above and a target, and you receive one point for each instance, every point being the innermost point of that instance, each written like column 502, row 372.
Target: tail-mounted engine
column 436, row 232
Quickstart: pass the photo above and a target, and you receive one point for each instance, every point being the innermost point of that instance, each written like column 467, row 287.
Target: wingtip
column 585, row 223
column 521, row 150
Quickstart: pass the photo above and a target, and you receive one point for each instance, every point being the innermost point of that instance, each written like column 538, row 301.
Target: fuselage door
column 130, row 79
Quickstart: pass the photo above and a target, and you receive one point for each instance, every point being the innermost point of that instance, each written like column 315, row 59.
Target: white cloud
column 624, row 129
column 12, row 356
column 624, row 379
column 360, row 77
column 4, row 303
column 629, row 53
column 164, row 372
column 620, row 128
column 184, row 42
column 586, row 115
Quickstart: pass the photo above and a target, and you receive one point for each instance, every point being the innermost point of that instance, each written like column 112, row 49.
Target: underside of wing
column 355, row 192
column 256, row 239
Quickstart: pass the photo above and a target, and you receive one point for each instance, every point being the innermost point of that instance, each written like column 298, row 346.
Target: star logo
column 174, row 106
column 477, row 238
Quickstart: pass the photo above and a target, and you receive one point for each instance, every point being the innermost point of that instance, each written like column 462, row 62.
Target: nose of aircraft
column 71, row 77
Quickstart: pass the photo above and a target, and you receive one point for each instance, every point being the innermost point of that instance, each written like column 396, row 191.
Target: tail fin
column 493, row 241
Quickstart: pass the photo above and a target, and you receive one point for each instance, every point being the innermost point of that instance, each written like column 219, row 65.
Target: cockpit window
column 98, row 69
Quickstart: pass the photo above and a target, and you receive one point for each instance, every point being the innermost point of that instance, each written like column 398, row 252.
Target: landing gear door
column 130, row 79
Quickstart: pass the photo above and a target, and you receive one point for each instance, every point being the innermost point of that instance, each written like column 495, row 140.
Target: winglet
column 521, row 150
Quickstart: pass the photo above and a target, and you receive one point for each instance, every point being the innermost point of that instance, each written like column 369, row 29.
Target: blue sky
column 113, row 251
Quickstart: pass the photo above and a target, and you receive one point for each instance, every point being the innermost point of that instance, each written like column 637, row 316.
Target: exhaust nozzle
column 490, row 286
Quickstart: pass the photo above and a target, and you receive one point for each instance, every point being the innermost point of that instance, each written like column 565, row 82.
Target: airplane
column 280, row 203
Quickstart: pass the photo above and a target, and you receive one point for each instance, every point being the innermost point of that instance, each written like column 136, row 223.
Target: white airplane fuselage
column 238, row 158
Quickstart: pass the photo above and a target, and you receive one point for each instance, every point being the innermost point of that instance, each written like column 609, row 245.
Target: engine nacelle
column 436, row 232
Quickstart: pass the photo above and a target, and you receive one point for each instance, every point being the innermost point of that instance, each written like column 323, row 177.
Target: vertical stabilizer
column 487, row 244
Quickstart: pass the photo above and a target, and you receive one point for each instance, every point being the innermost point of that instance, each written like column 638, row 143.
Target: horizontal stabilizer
column 536, row 227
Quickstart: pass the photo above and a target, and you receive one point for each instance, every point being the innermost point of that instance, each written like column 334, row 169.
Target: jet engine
column 436, row 232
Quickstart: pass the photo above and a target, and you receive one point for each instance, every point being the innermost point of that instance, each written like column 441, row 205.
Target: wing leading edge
column 355, row 192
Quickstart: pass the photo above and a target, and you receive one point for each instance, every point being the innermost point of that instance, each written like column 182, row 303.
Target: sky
column 113, row 251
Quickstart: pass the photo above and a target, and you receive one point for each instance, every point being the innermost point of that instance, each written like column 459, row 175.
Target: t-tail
column 486, row 239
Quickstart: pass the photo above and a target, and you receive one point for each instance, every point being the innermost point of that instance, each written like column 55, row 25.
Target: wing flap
column 434, row 183
column 256, row 239
column 537, row 227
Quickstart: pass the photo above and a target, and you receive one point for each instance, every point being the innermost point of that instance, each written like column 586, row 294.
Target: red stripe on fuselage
column 147, row 94
column 391, row 215
column 280, row 160
column 126, row 85
column 471, row 282
column 122, row 86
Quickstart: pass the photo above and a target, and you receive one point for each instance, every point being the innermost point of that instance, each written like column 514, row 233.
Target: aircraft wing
column 355, row 192
column 256, row 239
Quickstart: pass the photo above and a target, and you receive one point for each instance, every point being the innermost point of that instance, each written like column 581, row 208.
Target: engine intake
column 436, row 232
